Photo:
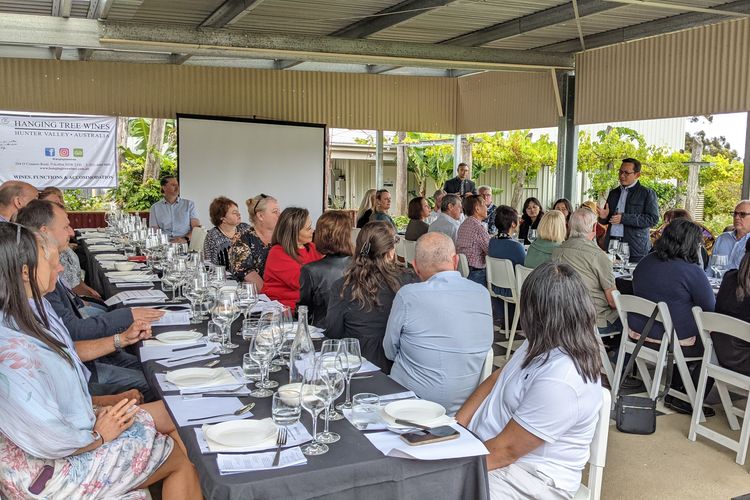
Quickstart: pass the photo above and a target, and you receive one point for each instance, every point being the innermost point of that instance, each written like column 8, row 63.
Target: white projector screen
column 240, row 158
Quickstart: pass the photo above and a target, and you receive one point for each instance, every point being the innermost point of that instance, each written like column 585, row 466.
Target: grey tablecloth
column 352, row 469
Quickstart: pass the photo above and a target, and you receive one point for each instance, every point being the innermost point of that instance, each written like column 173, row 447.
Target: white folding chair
column 410, row 250
column 500, row 274
column 637, row 305
column 489, row 364
column 522, row 273
column 401, row 253
column 463, row 265
column 713, row 322
column 197, row 238
column 592, row 490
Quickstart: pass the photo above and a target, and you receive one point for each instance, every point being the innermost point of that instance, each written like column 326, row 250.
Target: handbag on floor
column 636, row 414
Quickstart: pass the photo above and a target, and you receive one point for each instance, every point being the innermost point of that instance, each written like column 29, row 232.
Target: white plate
column 418, row 411
column 329, row 361
column 178, row 337
column 242, row 433
column 111, row 256
column 126, row 274
column 194, row 377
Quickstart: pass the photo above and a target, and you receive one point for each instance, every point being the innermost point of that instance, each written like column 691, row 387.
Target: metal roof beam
column 281, row 64
column 229, row 12
column 650, row 28
column 531, row 22
column 376, row 69
column 388, row 17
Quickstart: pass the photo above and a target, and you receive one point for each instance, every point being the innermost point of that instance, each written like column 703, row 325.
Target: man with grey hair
column 582, row 253
column 14, row 195
column 486, row 193
column 440, row 330
column 450, row 216
column 732, row 243
column 435, row 212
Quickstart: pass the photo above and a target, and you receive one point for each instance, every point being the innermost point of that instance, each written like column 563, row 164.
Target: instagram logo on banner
column 64, row 152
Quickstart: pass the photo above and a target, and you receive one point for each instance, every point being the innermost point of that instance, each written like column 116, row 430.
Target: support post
column 746, row 174
column 457, row 156
column 567, row 144
column 379, row 159
column 402, row 174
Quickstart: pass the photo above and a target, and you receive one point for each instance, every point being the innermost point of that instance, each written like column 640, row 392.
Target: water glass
column 214, row 332
column 532, row 235
column 250, row 368
column 365, row 410
column 352, row 361
column 313, row 396
column 285, row 408
column 249, row 328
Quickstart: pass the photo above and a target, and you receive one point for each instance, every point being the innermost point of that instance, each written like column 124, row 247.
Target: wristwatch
column 98, row 437
column 118, row 344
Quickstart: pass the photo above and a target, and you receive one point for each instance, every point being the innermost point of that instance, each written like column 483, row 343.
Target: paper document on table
column 136, row 297
column 234, row 464
column 297, row 434
column 153, row 349
column 191, row 356
column 171, row 318
column 184, row 409
column 466, row 445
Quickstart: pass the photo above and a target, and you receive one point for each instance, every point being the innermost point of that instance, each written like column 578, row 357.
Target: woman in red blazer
column 292, row 248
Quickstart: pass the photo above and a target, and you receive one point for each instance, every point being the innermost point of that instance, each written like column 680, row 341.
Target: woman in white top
column 537, row 415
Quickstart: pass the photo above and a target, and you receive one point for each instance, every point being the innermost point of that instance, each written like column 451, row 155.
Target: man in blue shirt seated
column 174, row 215
column 732, row 243
column 439, row 331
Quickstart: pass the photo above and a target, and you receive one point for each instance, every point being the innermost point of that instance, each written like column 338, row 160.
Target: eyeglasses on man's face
column 625, row 173
column 741, row 215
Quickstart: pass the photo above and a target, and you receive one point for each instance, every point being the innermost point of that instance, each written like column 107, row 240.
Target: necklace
column 230, row 236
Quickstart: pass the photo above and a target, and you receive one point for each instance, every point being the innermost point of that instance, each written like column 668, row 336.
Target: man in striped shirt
column 473, row 239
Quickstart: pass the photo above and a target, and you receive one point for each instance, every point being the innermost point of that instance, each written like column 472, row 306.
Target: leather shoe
column 681, row 406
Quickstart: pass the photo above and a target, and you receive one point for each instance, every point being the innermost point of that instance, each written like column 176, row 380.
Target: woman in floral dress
column 248, row 254
column 54, row 443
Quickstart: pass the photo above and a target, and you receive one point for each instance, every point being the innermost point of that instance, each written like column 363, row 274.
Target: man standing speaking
column 461, row 184
column 630, row 211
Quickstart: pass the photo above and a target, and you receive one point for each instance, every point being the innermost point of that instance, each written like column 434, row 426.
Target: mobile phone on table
column 435, row 435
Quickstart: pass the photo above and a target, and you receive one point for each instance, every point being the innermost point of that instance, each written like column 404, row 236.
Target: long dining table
column 353, row 468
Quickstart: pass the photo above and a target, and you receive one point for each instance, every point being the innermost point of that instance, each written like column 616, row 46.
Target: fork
column 280, row 441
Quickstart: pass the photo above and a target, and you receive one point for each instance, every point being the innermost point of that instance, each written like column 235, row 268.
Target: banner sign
column 66, row 152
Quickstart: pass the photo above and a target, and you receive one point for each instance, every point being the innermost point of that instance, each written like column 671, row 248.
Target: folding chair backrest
column 401, row 251
column 522, row 273
column 463, row 265
column 638, row 305
column 500, row 273
column 489, row 361
column 714, row 322
column 410, row 250
column 355, row 233
column 197, row 238
column 598, row 448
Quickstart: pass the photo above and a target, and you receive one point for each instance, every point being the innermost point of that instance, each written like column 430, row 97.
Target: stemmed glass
column 224, row 313
column 330, row 367
column 218, row 277
column 313, row 397
column 330, row 348
column 286, row 322
column 197, row 288
column 248, row 296
column 262, row 349
column 624, row 253
column 352, row 361
column 532, row 235
column 269, row 325
column 179, row 277
column 719, row 265
column 614, row 246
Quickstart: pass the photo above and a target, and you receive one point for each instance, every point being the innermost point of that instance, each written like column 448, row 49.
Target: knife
column 412, row 424
column 189, row 347
column 239, row 412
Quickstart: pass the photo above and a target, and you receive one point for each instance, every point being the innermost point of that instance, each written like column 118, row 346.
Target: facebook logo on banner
column 49, row 151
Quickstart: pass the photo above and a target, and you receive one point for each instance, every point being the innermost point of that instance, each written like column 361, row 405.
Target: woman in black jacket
column 333, row 239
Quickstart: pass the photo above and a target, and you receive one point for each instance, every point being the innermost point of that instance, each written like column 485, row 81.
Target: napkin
column 183, row 409
column 111, row 257
column 232, row 378
column 233, row 464
column 207, row 354
column 466, row 445
column 172, row 318
column 296, row 435
column 153, row 349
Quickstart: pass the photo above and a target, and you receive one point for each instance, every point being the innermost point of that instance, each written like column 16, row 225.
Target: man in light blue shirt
column 449, row 218
column 439, row 331
column 174, row 215
column 732, row 243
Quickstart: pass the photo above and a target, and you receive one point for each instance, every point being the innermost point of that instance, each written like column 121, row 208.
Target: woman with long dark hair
column 48, row 421
column 292, row 248
column 531, row 215
column 360, row 302
column 538, row 414
column 733, row 300
column 671, row 274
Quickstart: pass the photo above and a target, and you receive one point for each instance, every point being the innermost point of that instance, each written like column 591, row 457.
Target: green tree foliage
column 600, row 157
column 721, row 185
column 429, row 162
column 517, row 152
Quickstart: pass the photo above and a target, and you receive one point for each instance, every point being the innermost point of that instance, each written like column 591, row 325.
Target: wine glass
column 624, row 255
column 719, row 265
column 614, row 246
column 313, row 397
column 268, row 325
column 224, row 313
column 218, row 277
column 286, row 323
column 331, row 347
column 196, row 288
column 248, row 296
column 262, row 348
column 330, row 367
column 532, row 235
column 352, row 361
